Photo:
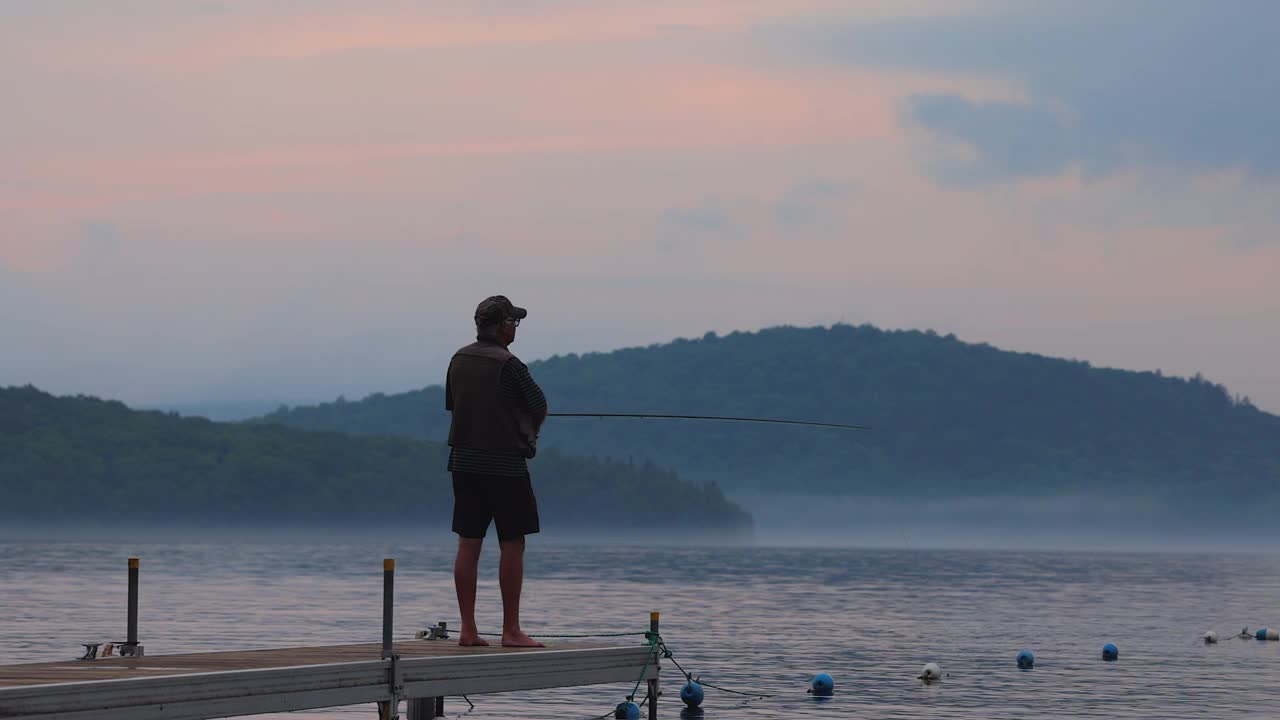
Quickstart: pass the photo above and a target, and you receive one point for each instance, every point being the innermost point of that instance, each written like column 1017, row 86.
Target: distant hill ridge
column 949, row 417
column 81, row 458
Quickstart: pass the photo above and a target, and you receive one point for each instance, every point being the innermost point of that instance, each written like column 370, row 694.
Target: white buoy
column 1210, row 637
column 931, row 673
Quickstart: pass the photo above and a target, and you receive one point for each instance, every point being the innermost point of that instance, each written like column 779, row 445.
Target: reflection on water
column 753, row 619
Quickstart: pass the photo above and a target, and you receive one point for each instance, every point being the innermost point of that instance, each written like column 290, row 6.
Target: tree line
column 65, row 458
column 948, row 418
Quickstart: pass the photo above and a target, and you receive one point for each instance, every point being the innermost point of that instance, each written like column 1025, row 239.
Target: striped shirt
column 518, row 390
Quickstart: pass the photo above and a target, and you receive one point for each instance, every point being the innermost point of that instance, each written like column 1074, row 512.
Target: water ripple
column 756, row 619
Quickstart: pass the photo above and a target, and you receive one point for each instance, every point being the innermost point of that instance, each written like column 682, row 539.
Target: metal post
column 388, row 595
column 421, row 708
column 390, row 709
column 653, row 684
column 132, row 642
column 425, row 708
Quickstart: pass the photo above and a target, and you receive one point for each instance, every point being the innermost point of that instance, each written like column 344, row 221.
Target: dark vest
column 482, row 418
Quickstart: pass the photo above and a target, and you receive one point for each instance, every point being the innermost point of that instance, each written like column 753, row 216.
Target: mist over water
column 1075, row 522
column 755, row 618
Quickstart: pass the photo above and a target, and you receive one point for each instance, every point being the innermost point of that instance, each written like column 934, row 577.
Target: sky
column 222, row 201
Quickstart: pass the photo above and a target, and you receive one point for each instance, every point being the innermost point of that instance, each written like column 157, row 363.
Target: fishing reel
column 440, row 631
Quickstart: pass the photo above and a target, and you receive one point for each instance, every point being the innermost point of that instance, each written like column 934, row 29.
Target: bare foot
column 519, row 639
column 466, row 640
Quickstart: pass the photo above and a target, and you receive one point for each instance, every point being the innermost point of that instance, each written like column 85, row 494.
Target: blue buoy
column 627, row 711
column 691, row 694
column 1110, row 652
column 1026, row 659
column 1267, row 634
column 823, row 684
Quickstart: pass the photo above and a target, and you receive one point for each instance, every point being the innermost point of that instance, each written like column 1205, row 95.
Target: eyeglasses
column 515, row 322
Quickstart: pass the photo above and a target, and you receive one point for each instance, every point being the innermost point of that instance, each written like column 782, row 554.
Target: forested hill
column 82, row 458
column 949, row 417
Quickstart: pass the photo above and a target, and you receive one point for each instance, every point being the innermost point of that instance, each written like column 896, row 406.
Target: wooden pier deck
column 420, row 674
column 224, row 684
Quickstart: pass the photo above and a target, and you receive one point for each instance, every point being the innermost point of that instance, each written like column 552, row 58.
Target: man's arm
column 448, row 392
column 518, row 386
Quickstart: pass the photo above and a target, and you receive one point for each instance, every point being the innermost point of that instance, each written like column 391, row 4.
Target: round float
column 691, row 694
column 930, row 673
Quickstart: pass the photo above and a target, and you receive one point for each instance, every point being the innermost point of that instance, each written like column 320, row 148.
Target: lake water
column 756, row 619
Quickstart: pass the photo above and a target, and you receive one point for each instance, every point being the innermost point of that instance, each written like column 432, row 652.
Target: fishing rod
column 652, row 416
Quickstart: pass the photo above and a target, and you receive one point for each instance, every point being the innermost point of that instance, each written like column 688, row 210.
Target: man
column 497, row 412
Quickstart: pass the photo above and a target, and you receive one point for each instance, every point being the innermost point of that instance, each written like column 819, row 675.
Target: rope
column 594, row 635
column 735, row 692
column 468, row 710
column 611, row 712
column 453, row 629
column 654, row 639
column 666, row 653
column 657, row 647
column 579, row 635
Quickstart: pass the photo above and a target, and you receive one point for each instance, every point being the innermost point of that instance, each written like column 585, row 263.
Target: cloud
column 1011, row 140
column 808, row 205
column 689, row 227
column 698, row 220
column 1176, row 84
column 299, row 182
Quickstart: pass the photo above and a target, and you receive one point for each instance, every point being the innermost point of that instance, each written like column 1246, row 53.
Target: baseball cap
column 496, row 308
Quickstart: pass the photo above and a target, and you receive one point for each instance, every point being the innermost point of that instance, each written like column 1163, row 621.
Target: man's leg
column 466, row 566
column 511, row 579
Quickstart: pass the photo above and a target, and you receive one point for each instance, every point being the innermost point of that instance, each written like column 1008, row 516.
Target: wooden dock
column 418, row 674
column 224, row 684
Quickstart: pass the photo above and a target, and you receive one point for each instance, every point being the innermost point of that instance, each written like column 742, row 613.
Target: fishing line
column 723, row 418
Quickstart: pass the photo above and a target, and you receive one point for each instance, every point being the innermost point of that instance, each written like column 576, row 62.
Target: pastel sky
column 229, row 200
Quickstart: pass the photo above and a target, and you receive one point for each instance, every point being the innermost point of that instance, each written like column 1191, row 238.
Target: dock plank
column 203, row 686
column 117, row 668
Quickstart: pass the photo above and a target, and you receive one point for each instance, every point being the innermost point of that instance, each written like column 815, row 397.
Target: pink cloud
column 632, row 108
column 202, row 41
column 286, row 155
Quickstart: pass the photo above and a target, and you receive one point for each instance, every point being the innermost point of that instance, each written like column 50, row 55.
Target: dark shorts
column 506, row 500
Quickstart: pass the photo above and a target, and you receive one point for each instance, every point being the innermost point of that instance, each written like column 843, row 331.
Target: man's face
column 507, row 331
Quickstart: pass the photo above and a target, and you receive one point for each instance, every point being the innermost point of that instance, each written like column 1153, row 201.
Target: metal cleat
column 90, row 651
